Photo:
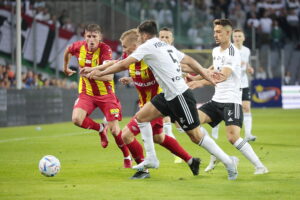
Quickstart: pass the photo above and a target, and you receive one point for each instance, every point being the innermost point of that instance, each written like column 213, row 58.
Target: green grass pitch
column 90, row 172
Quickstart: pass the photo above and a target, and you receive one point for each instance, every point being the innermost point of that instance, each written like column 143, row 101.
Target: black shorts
column 181, row 109
column 231, row 113
column 246, row 96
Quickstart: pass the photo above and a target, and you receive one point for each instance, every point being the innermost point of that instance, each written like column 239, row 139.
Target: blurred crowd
column 273, row 20
column 31, row 79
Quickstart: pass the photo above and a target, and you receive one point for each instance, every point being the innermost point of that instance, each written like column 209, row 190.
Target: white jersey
column 245, row 57
column 228, row 91
column 164, row 61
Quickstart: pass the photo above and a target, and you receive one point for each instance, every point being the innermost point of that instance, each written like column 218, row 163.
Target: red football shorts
column 109, row 105
column 157, row 126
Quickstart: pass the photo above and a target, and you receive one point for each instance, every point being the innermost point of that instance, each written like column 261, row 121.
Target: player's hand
column 69, row 72
column 125, row 80
column 250, row 70
column 86, row 70
column 218, row 77
column 93, row 73
column 195, row 84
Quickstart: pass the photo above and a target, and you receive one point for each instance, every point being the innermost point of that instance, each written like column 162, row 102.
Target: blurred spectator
column 293, row 21
column 29, row 81
column 68, row 25
column 276, row 36
column 261, row 73
column 266, row 28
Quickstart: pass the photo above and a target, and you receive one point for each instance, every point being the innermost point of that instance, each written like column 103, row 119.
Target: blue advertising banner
column 266, row 93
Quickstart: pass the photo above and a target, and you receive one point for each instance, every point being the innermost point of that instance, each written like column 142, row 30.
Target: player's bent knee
column 159, row 138
column 77, row 120
column 127, row 136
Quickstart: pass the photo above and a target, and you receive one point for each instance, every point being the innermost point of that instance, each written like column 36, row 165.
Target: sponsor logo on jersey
column 147, row 84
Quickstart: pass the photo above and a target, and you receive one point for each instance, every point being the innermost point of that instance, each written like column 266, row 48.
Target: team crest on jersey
column 114, row 111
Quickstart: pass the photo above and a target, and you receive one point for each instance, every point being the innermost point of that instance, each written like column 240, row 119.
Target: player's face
column 221, row 34
column 166, row 36
column 238, row 38
column 128, row 47
column 92, row 39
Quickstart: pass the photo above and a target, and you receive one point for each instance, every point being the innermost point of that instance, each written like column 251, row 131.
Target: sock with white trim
column 211, row 146
column 245, row 148
column 168, row 129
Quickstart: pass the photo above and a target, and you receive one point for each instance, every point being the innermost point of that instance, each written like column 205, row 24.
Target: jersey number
column 173, row 59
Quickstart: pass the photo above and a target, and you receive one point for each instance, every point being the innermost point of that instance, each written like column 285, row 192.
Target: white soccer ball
column 49, row 165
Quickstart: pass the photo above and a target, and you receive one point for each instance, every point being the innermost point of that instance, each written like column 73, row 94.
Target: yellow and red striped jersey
column 144, row 82
column 92, row 59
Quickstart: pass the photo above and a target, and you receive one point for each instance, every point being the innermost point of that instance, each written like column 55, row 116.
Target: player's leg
column 144, row 116
column 233, row 124
column 168, row 131
column 184, row 108
column 83, row 107
column 173, row 146
column 248, row 121
column 209, row 113
column 111, row 108
column 135, row 148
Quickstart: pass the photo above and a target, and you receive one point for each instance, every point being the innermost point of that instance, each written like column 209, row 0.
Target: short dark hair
column 93, row 28
column 165, row 29
column 223, row 22
column 238, row 30
column 148, row 27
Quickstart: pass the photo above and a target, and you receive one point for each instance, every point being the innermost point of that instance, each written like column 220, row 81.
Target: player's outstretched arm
column 102, row 67
column 117, row 67
column 198, row 68
column 67, row 58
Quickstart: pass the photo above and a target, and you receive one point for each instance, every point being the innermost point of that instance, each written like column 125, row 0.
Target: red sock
column 136, row 151
column 88, row 123
column 121, row 144
column 172, row 145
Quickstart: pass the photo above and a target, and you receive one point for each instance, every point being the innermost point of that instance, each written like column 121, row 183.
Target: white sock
column 168, row 129
column 215, row 131
column 245, row 148
column 211, row 146
column 248, row 124
column 147, row 136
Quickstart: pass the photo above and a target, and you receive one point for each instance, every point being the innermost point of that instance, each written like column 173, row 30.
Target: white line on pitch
column 50, row 136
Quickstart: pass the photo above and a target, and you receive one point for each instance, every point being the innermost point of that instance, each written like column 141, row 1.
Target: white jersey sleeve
column 180, row 55
column 140, row 52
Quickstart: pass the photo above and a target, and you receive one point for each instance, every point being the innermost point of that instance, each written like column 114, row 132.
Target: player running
column 96, row 93
column 226, row 102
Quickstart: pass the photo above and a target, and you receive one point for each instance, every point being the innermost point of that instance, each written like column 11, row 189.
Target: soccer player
column 166, row 35
column 96, row 93
column 238, row 40
column 147, row 87
column 226, row 102
column 177, row 101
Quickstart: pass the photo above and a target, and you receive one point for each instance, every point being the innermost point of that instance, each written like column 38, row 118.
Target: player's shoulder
column 216, row 49
column 246, row 49
column 232, row 50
